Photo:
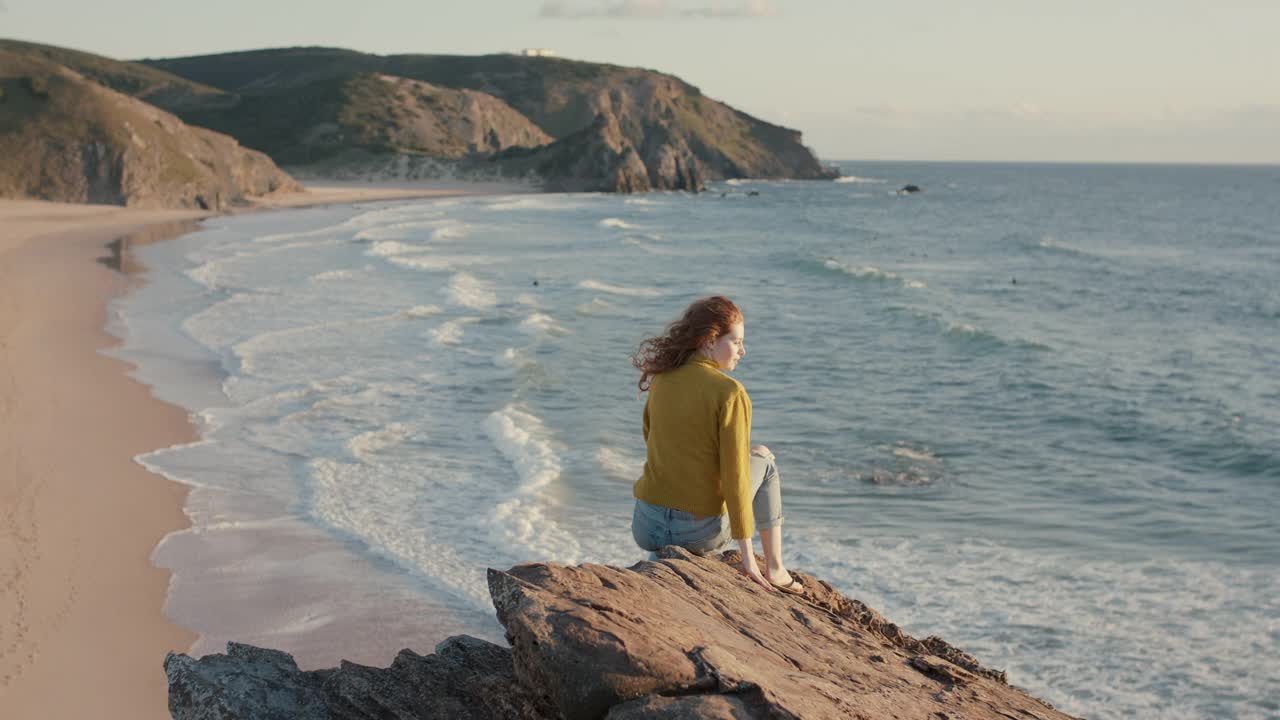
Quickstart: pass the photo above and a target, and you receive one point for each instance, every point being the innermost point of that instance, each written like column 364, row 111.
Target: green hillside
column 300, row 123
column 135, row 79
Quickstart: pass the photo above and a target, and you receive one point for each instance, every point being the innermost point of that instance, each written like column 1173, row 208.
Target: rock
column 596, row 642
column 692, row 707
column 681, row 637
column 246, row 682
column 466, row 679
column 597, row 159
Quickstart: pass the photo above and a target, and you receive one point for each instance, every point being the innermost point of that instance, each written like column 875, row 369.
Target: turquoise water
column 1032, row 409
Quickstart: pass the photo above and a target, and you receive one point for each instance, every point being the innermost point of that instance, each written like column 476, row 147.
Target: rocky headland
column 680, row 637
column 210, row 130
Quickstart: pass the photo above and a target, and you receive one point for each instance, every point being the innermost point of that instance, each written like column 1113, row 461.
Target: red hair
column 704, row 321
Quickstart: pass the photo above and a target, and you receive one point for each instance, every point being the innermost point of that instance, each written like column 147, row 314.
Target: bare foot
column 784, row 579
column 791, row 585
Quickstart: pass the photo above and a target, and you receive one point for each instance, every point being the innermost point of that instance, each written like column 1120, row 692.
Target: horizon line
column 1157, row 163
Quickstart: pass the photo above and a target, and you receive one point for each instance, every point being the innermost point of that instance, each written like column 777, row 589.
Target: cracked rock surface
column 686, row 636
column 680, row 637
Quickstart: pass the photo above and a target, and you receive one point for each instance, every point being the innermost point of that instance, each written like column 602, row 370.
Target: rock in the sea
column 680, row 637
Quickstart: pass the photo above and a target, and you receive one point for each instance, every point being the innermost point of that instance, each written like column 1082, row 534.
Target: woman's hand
column 762, row 451
column 749, row 567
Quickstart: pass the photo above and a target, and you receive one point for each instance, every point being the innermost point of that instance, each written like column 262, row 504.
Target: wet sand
column 83, row 631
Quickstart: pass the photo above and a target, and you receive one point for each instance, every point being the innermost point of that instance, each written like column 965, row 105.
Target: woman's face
column 730, row 348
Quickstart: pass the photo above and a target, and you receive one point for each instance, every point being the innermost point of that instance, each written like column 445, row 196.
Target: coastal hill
column 659, row 131
column 336, row 125
column 67, row 138
column 80, row 127
column 136, row 80
column 680, row 637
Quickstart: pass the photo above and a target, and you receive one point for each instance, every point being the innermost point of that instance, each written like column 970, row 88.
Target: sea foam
column 521, row 516
column 871, row 272
column 541, row 323
column 619, row 465
column 367, row 444
column 469, row 291
column 619, row 289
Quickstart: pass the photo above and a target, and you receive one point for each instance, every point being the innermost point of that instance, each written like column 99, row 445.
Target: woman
column 703, row 482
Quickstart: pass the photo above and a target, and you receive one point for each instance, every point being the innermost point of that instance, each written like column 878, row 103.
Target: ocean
column 1033, row 410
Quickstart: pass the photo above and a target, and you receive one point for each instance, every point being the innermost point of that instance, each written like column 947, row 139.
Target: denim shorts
column 654, row 526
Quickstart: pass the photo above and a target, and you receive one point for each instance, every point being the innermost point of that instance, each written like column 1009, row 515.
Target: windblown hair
column 704, row 321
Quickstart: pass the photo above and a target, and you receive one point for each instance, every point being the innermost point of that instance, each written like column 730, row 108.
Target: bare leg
column 767, row 506
column 774, row 569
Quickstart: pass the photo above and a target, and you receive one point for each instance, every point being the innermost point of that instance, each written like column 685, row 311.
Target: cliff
column 66, row 138
column 682, row 637
column 598, row 158
column 679, row 136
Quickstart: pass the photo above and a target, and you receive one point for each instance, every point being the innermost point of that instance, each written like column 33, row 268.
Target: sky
column 1169, row 81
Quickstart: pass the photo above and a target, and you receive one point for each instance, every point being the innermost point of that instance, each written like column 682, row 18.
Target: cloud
column 632, row 9
column 658, row 9
column 746, row 9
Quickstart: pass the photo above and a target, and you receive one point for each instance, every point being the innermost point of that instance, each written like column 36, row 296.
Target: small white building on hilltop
column 538, row 52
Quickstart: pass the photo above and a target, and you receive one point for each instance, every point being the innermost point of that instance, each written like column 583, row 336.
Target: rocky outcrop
column 465, row 679
column 66, row 138
column 681, row 637
column 439, row 121
column 679, row 138
column 597, row 159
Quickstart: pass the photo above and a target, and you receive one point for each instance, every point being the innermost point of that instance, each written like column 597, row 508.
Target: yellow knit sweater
column 697, row 425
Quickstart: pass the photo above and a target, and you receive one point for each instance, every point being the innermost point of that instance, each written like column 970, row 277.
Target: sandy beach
column 81, row 604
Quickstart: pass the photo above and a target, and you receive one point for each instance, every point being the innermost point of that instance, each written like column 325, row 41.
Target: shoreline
column 80, row 594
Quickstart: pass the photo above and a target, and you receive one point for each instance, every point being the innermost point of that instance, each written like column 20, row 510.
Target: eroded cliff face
column 66, row 138
column 598, row 158
column 682, row 637
column 680, row 138
column 443, row 122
